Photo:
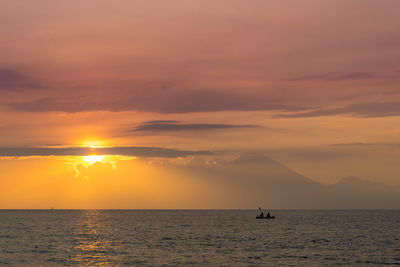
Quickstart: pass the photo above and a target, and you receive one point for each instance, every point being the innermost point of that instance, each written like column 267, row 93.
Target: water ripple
column 224, row 238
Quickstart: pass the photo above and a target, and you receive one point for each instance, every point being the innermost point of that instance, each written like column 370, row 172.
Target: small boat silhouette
column 265, row 217
column 261, row 216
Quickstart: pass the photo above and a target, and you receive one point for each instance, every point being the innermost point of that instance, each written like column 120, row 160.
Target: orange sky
column 312, row 84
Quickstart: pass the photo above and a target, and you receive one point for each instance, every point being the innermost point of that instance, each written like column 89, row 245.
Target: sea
column 199, row 238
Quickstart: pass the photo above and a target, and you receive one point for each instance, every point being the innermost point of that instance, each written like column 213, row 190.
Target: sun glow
column 93, row 159
column 93, row 143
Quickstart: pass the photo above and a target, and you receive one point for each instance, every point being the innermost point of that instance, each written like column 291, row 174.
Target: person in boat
column 268, row 215
column 261, row 213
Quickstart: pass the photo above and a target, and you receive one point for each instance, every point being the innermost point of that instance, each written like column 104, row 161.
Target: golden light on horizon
column 91, row 159
column 93, row 143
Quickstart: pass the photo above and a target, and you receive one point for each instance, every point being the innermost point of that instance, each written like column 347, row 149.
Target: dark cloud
column 161, row 121
column 158, row 101
column 364, row 110
column 66, row 104
column 55, row 144
column 200, row 101
column 160, row 126
column 337, row 76
column 157, row 152
column 14, row 81
column 353, row 144
column 366, row 144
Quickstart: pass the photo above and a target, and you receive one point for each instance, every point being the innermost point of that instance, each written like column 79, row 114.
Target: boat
column 261, row 216
column 265, row 217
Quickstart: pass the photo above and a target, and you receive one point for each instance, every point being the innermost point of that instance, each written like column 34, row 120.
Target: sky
column 151, row 87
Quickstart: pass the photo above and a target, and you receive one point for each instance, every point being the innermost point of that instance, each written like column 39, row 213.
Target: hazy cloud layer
column 160, row 126
column 164, row 102
column 337, row 76
column 364, row 110
column 84, row 151
column 191, row 57
column 366, row 144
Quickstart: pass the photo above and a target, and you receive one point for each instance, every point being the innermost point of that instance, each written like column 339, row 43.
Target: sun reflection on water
column 92, row 239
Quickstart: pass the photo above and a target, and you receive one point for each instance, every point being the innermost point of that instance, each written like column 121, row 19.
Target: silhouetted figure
column 268, row 215
column 262, row 215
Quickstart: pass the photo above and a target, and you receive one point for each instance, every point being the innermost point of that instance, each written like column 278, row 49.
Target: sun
column 92, row 143
column 93, row 159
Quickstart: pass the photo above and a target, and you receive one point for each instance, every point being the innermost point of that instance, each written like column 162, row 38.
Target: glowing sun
column 93, row 159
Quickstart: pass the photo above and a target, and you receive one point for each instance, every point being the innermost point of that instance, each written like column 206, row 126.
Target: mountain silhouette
column 354, row 192
column 253, row 180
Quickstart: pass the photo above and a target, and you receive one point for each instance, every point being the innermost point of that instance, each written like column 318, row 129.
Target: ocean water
column 199, row 237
